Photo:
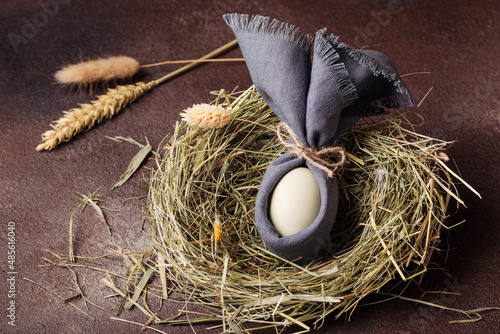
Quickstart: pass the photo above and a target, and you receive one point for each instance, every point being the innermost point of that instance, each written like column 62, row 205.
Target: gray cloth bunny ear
column 278, row 57
column 319, row 101
column 330, row 91
column 377, row 82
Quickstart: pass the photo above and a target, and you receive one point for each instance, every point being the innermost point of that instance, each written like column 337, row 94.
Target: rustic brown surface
column 456, row 40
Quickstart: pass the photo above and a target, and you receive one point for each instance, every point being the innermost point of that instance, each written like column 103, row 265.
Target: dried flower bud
column 217, row 231
column 207, row 116
column 443, row 156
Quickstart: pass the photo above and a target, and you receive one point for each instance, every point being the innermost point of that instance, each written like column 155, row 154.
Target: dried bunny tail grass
column 99, row 70
column 207, row 116
column 76, row 120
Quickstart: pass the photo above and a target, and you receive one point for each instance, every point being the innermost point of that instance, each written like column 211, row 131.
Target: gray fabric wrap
column 320, row 101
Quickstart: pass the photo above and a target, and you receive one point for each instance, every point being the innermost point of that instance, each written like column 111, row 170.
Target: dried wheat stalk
column 76, row 120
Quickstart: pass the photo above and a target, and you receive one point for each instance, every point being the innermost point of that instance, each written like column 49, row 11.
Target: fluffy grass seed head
column 99, row 70
column 207, row 116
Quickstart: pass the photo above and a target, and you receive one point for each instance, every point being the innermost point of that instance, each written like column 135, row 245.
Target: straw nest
column 394, row 192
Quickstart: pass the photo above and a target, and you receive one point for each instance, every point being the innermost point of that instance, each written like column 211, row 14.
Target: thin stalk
column 195, row 63
column 169, row 62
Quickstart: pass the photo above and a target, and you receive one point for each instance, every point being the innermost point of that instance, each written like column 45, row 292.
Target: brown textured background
column 457, row 40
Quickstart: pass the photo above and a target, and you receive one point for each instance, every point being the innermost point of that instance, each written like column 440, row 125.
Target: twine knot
column 316, row 158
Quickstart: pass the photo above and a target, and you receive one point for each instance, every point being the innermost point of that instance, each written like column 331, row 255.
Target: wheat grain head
column 87, row 115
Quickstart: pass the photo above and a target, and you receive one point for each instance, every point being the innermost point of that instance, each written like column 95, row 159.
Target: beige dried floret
column 207, row 116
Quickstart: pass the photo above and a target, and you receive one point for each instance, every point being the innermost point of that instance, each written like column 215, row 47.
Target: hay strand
column 91, row 200
column 58, row 296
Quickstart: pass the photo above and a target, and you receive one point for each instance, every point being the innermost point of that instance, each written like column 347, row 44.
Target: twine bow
column 315, row 157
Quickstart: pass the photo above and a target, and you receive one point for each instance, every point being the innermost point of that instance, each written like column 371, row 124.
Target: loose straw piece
column 313, row 156
column 372, row 220
column 76, row 120
column 428, row 91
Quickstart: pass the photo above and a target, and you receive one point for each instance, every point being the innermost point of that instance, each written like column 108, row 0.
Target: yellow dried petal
column 217, row 231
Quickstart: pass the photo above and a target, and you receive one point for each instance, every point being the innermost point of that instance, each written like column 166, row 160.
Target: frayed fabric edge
column 374, row 65
column 324, row 50
column 325, row 47
column 361, row 109
column 264, row 25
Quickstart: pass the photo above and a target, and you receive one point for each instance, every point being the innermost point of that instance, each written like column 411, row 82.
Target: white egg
column 295, row 202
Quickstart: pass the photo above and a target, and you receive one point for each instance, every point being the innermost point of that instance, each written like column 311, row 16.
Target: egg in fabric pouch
column 318, row 101
column 294, row 202
column 312, row 242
